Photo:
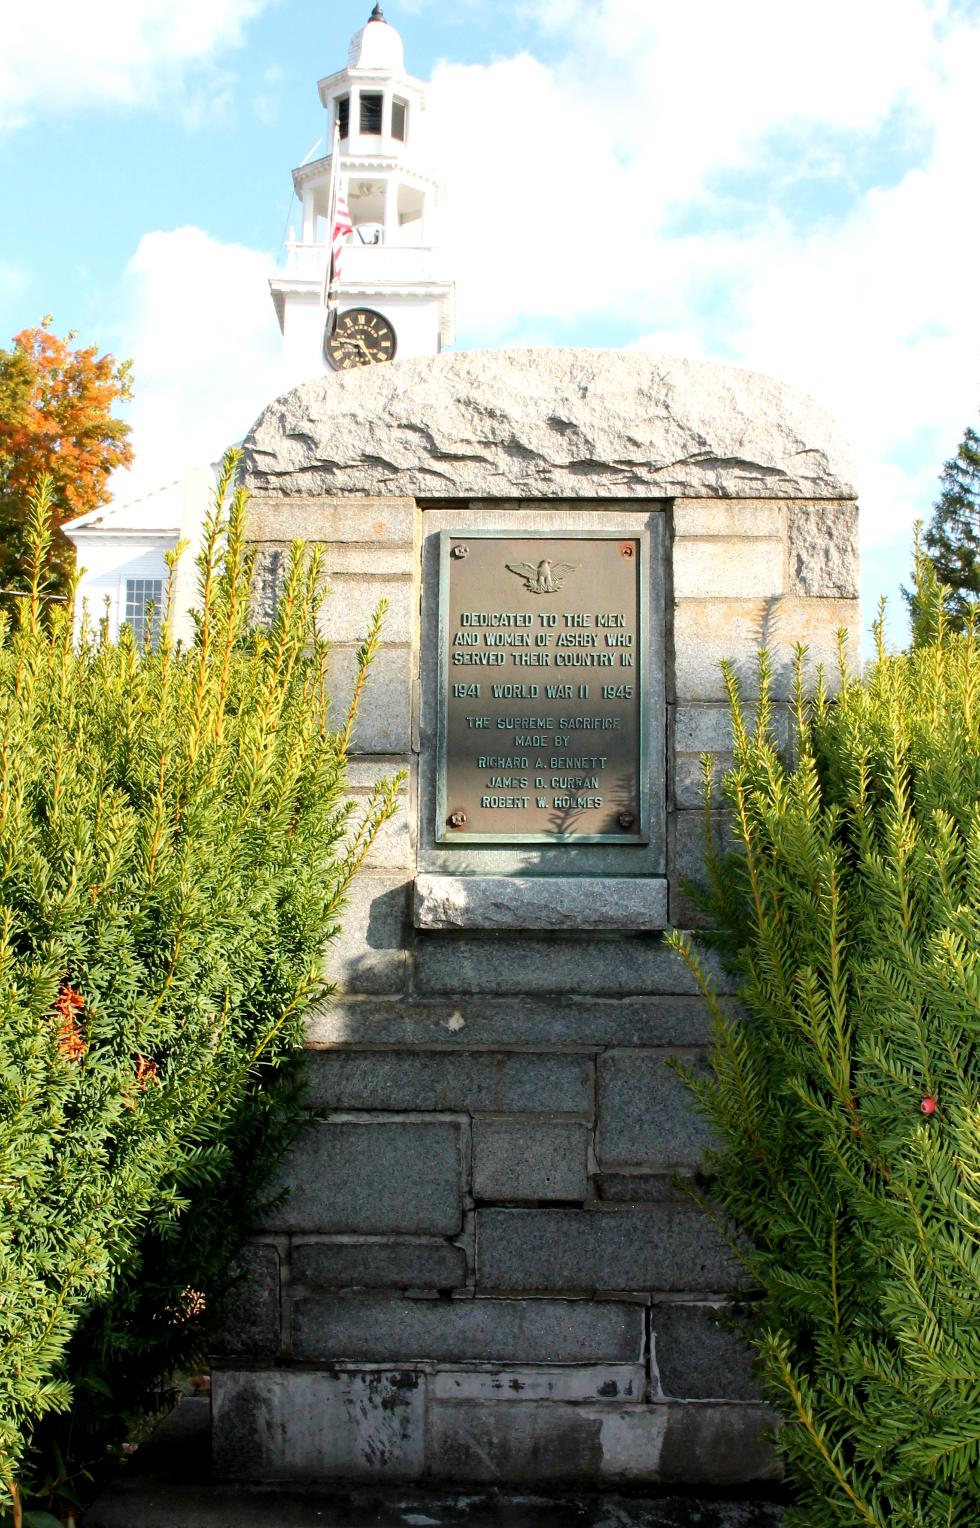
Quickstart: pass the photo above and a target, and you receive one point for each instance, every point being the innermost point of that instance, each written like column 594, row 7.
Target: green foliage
column 846, row 1098
column 174, row 849
column 952, row 538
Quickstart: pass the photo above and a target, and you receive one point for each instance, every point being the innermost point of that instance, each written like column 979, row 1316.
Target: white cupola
column 378, row 165
column 377, row 46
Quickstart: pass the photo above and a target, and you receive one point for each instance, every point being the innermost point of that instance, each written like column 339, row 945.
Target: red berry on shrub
column 928, row 1106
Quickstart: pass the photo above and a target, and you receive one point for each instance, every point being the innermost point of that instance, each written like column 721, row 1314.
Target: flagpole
column 332, row 219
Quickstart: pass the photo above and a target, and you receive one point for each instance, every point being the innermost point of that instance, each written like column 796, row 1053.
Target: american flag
column 342, row 228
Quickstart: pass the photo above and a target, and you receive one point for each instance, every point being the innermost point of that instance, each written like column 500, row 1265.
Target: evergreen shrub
column 846, row 1096
column 175, row 847
column 952, row 537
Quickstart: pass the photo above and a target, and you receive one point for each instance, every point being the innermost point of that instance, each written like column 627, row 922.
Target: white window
column 144, row 602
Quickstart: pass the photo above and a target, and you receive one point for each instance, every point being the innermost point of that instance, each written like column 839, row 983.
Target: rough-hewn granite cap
column 549, row 424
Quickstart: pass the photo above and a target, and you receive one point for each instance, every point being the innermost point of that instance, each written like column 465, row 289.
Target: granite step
column 167, row 1484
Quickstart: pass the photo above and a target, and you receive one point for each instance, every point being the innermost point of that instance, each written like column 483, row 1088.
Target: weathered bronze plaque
column 542, row 673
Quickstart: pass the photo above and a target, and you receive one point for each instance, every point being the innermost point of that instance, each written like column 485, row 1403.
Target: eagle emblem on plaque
column 545, row 577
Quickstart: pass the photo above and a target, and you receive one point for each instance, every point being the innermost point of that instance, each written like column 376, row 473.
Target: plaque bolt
column 461, row 551
column 457, row 820
column 627, row 550
column 626, row 819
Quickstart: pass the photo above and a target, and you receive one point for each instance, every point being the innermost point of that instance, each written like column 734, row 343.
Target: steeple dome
column 377, row 46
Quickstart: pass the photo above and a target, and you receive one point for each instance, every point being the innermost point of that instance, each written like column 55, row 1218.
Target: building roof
column 159, row 510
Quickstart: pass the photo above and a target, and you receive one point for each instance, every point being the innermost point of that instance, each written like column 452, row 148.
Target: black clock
column 361, row 337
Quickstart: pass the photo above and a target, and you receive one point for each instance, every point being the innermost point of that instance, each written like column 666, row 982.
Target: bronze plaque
column 542, row 672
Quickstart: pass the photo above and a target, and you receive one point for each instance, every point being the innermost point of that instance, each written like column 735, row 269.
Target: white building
column 392, row 301
column 122, row 548
column 376, row 129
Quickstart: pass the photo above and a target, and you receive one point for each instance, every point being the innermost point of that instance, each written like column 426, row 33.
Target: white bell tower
column 389, row 264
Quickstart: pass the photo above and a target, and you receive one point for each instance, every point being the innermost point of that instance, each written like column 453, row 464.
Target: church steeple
column 377, row 161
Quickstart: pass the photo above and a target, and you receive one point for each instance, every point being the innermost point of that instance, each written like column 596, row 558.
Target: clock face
column 361, row 337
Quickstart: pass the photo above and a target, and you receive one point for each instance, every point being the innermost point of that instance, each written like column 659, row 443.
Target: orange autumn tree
column 56, row 420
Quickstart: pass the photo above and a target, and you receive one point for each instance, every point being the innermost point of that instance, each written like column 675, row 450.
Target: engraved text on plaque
column 542, row 671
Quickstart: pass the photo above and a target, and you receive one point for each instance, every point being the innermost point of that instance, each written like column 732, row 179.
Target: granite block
column 545, row 1443
column 548, row 424
column 539, row 1443
column 718, row 1445
column 544, row 902
column 364, row 770
column 394, row 846
column 249, row 1326
column 378, row 1329
column 388, row 1176
column 384, row 717
column 465, row 1023
column 317, row 1265
column 289, row 1425
column 708, row 728
column 695, row 1358
column 824, row 550
column 728, row 567
column 646, row 1115
column 369, row 954
column 515, row 1160
column 609, row 1249
column 706, row 631
column 517, row 967
column 466, row 1082
column 728, row 517
column 352, row 599
column 687, row 861
column 369, row 522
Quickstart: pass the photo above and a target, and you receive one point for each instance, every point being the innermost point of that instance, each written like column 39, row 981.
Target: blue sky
column 785, row 188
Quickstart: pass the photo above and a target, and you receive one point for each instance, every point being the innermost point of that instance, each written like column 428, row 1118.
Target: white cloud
column 206, row 352
column 568, row 180
column 524, row 161
column 711, row 76
column 61, row 55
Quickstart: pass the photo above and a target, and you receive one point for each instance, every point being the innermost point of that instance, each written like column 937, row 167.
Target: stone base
column 539, row 1428
column 167, row 1485
column 490, row 902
